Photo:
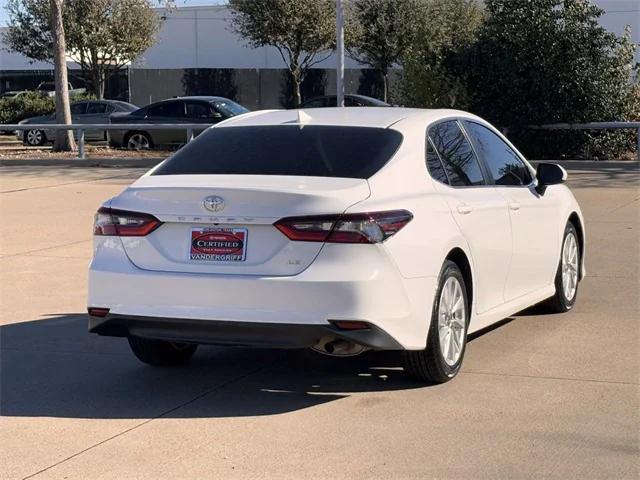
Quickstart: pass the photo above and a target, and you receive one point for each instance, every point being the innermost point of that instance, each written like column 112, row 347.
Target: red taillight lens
column 373, row 227
column 120, row 223
column 98, row 312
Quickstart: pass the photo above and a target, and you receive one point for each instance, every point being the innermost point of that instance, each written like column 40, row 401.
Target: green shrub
column 29, row 104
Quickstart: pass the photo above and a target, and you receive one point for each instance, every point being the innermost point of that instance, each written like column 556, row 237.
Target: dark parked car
column 349, row 101
column 205, row 110
column 85, row 111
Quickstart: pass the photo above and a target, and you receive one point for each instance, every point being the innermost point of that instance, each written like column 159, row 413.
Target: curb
column 87, row 162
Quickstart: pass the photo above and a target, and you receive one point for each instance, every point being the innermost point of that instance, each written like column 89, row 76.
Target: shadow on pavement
column 54, row 368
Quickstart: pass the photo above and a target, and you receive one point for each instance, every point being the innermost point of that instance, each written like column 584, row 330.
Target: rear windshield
column 294, row 150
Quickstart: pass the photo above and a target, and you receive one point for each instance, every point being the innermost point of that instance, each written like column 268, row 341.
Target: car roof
column 381, row 117
column 204, row 98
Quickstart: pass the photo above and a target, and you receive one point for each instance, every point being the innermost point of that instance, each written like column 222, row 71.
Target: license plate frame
column 218, row 244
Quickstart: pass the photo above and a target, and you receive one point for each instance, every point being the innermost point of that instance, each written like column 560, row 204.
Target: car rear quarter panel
column 420, row 248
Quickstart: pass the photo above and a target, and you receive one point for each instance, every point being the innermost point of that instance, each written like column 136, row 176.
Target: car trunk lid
column 238, row 238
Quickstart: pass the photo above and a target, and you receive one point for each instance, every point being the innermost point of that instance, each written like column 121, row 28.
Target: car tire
column 137, row 141
column 438, row 363
column 161, row 353
column 34, row 138
column 567, row 275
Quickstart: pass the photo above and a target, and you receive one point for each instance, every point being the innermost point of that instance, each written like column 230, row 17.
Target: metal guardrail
column 595, row 126
column 80, row 129
column 191, row 127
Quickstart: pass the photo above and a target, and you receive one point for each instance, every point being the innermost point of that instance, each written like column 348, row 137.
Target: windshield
column 294, row 150
column 229, row 108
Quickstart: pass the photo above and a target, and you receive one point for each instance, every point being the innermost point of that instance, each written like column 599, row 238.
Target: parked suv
column 205, row 110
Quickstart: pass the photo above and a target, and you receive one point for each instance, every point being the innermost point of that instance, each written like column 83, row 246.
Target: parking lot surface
column 540, row 396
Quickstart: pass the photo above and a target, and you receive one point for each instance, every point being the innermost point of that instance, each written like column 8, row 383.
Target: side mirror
column 549, row 174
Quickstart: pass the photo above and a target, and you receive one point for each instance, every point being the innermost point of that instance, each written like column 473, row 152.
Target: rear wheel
column 161, row 352
column 138, row 141
column 567, row 275
column 34, row 138
column 447, row 338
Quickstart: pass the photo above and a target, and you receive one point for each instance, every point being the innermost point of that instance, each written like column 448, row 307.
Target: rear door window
column 503, row 162
column 96, row 107
column 316, row 103
column 79, row 108
column 458, row 157
column 292, row 150
column 198, row 110
column 166, row 109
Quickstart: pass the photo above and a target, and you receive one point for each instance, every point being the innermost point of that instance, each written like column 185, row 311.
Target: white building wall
column 201, row 37
column 15, row 61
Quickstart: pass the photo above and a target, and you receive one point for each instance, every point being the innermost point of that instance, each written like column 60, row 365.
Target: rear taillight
column 373, row 227
column 120, row 223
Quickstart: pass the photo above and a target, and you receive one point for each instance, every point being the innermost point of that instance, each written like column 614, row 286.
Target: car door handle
column 464, row 209
column 514, row 206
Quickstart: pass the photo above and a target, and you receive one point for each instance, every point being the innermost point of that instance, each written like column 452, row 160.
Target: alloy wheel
column 570, row 266
column 451, row 321
column 34, row 137
column 138, row 141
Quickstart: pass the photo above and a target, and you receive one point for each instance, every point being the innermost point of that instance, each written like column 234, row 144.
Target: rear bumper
column 345, row 282
column 275, row 335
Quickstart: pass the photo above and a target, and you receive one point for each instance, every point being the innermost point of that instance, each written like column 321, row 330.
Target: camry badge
column 213, row 203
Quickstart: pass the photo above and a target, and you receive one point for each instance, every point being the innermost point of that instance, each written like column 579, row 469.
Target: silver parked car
column 204, row 109
column 85, row 111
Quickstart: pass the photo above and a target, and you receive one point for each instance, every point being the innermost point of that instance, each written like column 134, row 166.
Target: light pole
column 339, row 54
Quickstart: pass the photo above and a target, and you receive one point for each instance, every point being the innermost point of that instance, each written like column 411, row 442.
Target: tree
column 303, row 31
column 64, row 138
column 542, row 61
column 380, row 32
column 102, row 35
column 547, row 61
column 437, row 61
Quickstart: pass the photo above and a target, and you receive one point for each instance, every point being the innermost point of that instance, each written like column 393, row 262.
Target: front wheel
column 161, row 353
column 447, row 338
column 567, row 275
column 34, row 138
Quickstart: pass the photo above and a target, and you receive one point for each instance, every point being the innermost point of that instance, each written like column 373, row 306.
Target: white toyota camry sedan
column 338, row 229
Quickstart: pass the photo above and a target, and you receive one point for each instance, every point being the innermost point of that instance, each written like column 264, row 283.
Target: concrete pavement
column 541, row 396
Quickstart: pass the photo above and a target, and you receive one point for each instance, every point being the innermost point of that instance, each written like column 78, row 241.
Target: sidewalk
column 107, row 162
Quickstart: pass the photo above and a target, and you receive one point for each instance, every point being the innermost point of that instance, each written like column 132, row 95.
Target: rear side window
column 503, row 162
column 198, row 110
column 96, row 107
column 315, row 103
column 166, row 109
column 457, row 154
column 434, row 165
column 78, row 108
column 293, row 150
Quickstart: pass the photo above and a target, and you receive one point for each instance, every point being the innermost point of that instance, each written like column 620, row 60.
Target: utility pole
column 339, row 54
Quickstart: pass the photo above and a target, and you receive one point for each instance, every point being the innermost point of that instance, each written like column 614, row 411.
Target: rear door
column 479, row 210
column 97, row 112
column 534, row 217
column 201, row 112
column 172, row 111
